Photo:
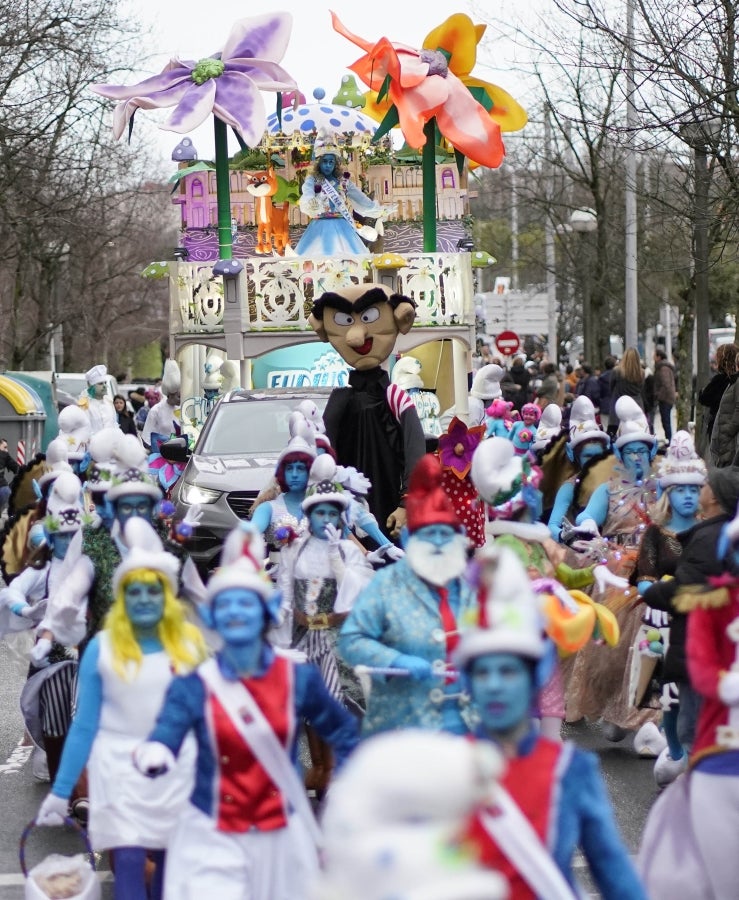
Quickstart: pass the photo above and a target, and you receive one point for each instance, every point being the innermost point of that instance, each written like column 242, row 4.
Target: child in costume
column 248, row 832
column 123, row 677
column 680, row 476
column 552, row 798
column 523, row 433
column 498, row 422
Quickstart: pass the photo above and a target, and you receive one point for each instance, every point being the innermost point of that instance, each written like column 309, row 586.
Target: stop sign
column 508, row 343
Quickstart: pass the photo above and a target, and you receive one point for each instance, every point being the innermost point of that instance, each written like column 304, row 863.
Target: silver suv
column 232, row 461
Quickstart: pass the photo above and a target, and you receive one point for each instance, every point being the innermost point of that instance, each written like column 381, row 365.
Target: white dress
column 160, row 419
column 127, row 809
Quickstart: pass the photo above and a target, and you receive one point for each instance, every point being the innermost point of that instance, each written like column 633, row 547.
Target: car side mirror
column 176, row 450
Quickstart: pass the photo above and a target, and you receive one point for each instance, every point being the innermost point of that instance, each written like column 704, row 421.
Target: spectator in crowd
column 627, row 381
column 124, row 417
column 604, row 383
column 665, row 390
column 588, row 385
column 726, row 374
column 7, row 464
column 551, row 389
column 521, row 376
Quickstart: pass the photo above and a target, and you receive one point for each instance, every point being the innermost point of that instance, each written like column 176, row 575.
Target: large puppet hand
column 53, row 810
column 728, row 689
column 153, row 759
column 418, row 669
column 604, row 578
column 396, row 521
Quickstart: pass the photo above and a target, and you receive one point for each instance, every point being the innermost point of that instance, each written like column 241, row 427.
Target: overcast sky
column 316, row 55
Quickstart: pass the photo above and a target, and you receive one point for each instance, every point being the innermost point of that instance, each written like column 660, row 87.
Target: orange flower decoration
column 422, row 85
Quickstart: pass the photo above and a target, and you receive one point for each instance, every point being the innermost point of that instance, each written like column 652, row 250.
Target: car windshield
column 253, row 427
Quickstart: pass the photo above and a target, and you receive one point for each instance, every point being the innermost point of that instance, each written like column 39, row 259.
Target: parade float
column 237, row 287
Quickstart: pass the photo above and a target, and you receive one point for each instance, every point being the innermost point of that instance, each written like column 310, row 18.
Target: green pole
column 428, row 169
column 223, row 190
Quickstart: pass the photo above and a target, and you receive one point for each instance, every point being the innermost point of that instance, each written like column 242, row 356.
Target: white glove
column 40, row 652
column 153, row 759
column 333, row 535
column 656, row 618
column 53, row 810
column 605, row 578
column 193, row 515
column 386, row 552
column 589, row 526
column 728, row 689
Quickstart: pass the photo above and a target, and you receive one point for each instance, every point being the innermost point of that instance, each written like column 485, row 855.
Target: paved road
column 629, row 780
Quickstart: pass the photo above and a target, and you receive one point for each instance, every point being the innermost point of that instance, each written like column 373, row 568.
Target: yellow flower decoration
column 459, row 37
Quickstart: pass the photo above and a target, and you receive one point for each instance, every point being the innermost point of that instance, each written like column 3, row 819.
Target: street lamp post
column 585, row 221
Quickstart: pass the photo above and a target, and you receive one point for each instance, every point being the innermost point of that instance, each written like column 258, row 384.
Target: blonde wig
column 181, row 640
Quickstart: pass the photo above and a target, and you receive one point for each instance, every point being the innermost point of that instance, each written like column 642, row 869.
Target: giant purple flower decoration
column 226, row 84
column 457, row 446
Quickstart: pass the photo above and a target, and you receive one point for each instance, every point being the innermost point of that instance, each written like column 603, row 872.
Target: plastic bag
column 63, row 878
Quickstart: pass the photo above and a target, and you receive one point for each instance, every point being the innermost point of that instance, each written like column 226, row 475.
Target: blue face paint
column 104, row 509
column 438, row 535
column 685, row 499
column 144, row 604
column 321, row 515
column 131, row 506
column 296, row 476
column 238, row 615
column 636, row 457
column 501, row 687
column 590, row 450
column 60, row 542
column 327, row 164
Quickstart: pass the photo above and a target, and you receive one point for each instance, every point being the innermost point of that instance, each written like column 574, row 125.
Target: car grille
column 241, row 502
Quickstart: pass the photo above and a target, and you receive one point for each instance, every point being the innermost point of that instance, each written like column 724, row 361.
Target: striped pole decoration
column 20, row 454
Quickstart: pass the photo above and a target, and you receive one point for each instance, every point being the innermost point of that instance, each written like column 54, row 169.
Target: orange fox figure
column 272, row 219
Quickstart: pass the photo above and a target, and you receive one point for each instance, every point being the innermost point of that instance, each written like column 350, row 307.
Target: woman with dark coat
column 125, row 419
column 726, row 374
column 627, row 381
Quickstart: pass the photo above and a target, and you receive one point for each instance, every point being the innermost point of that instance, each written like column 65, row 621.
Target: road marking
column 17, row 759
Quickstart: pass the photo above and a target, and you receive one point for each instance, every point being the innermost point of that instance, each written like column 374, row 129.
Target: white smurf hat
column 632, row 423
column 171, row 378
column 407, row 373
column 74, row 428
column 242, row 566
column 486, row 383
column 56, row 462
column 549, row 427
column 496, row 470
column 302, row 439
column 103, row 445
column 146, row 551
column 583, row 426
column 394, row 812
column 681, row 464
column 510, row 618
column 64, row 509
column 324, row 486
column 131, row 474
column 96, row 375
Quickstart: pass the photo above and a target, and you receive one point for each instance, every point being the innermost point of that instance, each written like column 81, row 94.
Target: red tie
column 449, row 624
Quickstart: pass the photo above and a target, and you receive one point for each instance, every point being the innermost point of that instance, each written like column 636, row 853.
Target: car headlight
column 193, row 493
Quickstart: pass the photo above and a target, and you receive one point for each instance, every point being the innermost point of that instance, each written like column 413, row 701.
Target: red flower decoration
column 457, row 446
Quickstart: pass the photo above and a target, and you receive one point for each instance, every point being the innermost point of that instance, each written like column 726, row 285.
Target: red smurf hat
column 426, row 502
